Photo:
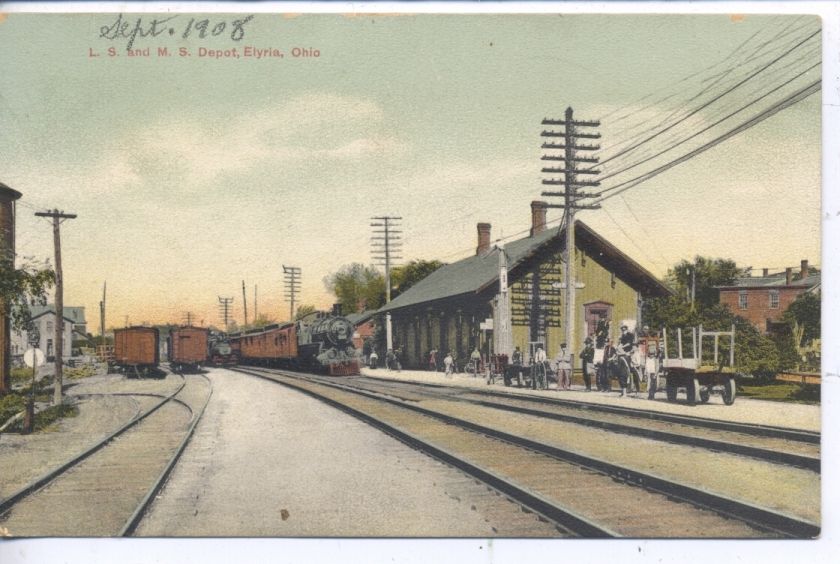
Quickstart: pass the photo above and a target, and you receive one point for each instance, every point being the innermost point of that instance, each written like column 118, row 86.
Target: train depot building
column 453, row 309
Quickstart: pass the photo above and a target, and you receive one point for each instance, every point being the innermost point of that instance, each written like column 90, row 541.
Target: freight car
column 319, row 342
column 137, row 349
column 188, row 348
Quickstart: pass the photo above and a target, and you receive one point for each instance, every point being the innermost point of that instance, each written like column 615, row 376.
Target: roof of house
column 73, row 314
column 474, row 273
column 778, row 280
column 359, row 318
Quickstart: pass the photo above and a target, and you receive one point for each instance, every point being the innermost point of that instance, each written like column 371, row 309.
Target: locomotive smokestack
column 336, row 309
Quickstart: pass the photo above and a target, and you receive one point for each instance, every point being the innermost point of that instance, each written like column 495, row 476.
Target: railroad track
column 582, row 495
column 105, row 490
column 790, row 447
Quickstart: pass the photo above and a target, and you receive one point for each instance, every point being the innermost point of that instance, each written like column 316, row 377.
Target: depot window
column 742, row 299
column 774, row 299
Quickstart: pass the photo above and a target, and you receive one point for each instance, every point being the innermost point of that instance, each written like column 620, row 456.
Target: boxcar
column 137, row 348
column 188, row 347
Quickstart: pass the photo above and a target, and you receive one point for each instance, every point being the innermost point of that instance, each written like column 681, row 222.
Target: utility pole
column 102, row 318
column 255, row 303
column 188, row 318
column 224, row 309
column 572, row 199
column 385, row 247
column 57, row 217
column 244, row 302
column 291, row 280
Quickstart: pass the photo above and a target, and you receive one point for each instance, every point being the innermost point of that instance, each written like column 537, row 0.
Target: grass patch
column 21, row 375
column 10, row 405
column 784, row 392
column 78, row 373
column 45, row 420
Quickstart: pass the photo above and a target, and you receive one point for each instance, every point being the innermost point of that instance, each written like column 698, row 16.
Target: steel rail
column 38, row 483
column 131, row 525
column 763, row 519
column 786, row 458
column 799, row 435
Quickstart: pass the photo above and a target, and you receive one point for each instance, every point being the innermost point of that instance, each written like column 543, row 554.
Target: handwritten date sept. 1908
column 122, row 28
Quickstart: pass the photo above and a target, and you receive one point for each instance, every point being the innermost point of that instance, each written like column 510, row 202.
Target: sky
column 191, row 174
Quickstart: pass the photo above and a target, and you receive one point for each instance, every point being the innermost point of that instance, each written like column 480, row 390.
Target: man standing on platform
column 587, row 355
column 563, row 362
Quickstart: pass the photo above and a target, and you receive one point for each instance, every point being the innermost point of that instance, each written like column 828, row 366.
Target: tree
column 708, row 273
column 805, row 312
column 405, row 276
column 755, row 353
column 304, row 310
column 357, row 287
column 20, row 287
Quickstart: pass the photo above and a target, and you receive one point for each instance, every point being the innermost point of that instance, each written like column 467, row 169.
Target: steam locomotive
column 320, row 342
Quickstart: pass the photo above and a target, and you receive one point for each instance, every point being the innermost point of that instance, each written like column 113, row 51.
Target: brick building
column 762, row 300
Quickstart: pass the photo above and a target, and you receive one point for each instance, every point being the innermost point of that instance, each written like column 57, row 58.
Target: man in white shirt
column 563, row 364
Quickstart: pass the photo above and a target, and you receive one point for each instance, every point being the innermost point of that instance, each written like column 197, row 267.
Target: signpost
column 33, row 358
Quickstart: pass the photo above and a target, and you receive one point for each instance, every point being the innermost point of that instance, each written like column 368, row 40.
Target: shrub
column 11, row 405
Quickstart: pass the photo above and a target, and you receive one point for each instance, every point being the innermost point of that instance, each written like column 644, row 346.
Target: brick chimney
column 538, row 211
column 483, row 238
column 804, row 267
column 788, row 276
column 765, row 272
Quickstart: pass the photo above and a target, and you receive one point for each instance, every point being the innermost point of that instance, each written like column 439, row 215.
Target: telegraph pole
column 291, row 280
column 385, row 247
column 245, row 303
column 57, row 217
column 102, row 319
column 255, row 303
column 224, row 309
column 572, row 199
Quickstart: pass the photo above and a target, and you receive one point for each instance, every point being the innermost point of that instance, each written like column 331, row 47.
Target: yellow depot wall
column 599, row 285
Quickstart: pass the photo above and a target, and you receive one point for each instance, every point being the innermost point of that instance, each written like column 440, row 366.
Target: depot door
column 592, row 312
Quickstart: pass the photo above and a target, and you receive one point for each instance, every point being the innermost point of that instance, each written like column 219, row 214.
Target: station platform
column 744, row 410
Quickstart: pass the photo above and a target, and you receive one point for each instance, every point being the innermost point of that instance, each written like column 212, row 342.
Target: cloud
column 200, row 150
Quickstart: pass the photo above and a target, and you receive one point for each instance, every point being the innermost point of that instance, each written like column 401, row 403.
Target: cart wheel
column 729, row 391
column 671, row 390
column 692, row 391
column 704, row 395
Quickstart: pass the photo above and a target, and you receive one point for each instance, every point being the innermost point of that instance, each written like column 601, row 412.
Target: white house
column 44, row 319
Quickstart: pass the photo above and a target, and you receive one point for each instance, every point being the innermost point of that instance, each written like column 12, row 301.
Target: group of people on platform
column 602, row 360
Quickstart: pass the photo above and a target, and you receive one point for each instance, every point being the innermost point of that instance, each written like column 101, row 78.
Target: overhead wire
column 682, row 113
column 709, row 102
column 710, row 126
column 789, row 101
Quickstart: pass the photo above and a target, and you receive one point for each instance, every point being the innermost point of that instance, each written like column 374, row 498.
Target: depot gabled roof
column 473, row 274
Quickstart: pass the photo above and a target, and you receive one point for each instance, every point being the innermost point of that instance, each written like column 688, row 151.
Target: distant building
column 453, row 308
column 44, row 319
column 364, row 326
column 762, row 300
